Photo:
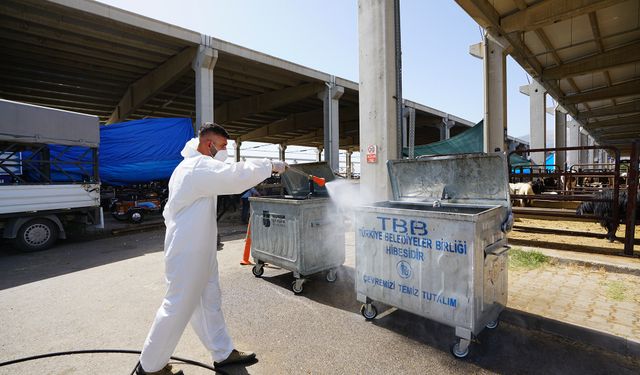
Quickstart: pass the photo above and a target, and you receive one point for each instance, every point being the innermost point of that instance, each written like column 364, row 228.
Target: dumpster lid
column 464, row 178
column 298, row 186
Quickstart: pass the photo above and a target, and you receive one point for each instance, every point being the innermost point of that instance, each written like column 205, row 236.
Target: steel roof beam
column 240, row 108
column 486, row 16
column 595, row 63
column 611, row 92
column 612, row 123
column 151, row 84
column 296, row 121
column 547, row 12
column 626, row 137
column 82, row 27
column 65, row 37
column 620, row 109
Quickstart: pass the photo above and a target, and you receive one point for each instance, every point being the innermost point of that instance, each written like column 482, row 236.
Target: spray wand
column 318, row 180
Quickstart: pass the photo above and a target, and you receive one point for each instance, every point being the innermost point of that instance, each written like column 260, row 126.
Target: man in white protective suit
column 191, row 267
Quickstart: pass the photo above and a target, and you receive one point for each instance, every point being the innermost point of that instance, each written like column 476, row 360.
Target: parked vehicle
column 135, row 210
column 48, row 173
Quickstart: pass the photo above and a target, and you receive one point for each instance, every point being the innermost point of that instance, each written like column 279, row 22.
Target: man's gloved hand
column 278, row 166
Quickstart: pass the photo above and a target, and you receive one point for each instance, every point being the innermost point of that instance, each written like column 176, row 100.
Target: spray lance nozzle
column 312, row 179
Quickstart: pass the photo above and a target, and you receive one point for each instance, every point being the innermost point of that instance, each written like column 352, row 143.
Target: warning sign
column 372, row 154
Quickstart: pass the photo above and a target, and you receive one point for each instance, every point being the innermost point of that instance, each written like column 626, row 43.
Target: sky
column 437, row 69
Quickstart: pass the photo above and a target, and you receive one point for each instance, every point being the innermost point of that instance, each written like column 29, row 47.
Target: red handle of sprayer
column 318, row 180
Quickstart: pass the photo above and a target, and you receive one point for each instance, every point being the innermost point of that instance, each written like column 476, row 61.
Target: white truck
column 48, row 173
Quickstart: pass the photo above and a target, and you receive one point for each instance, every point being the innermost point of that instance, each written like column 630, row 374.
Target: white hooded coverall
column 191, row 266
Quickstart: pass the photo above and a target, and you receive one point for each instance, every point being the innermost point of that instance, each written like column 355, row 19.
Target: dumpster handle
column 497, row 248
column 318, row 223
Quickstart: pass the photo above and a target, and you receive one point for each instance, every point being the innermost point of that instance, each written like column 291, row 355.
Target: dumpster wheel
column 492, row 325
column 459, row 353
column 258, row 270
column 369, row 311
column 296, row 286
column 332, row 275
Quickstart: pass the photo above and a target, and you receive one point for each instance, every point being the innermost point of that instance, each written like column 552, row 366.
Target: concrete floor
column 104, row 294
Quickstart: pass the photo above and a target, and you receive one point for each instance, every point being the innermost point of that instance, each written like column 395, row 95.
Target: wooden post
column 632, row 185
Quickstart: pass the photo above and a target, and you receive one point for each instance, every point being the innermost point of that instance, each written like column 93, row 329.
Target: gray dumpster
column 301, row 232
column 439, row 249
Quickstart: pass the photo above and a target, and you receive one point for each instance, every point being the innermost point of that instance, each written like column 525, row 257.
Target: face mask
column 220, row 155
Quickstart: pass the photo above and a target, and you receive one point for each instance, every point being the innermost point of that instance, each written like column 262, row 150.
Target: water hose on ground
column 121, row 351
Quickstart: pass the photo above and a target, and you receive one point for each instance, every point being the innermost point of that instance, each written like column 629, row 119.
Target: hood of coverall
column 191, row 149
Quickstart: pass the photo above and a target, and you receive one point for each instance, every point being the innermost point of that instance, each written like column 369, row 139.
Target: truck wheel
column 36, row 235
column 136, row 216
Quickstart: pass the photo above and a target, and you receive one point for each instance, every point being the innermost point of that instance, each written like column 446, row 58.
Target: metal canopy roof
column 586, row 53
column 89, row 57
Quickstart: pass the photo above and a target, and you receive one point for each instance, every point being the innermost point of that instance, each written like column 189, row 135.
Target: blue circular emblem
column 404, row 269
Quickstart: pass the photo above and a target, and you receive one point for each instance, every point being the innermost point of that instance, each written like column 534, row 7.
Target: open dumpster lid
column 298, row 186
column 463, row 178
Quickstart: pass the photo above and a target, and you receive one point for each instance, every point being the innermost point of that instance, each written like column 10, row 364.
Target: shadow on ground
column 339, row 294
column 507, row 349
column 19, row 268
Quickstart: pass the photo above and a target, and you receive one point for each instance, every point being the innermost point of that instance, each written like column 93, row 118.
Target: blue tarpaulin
column 132, row 152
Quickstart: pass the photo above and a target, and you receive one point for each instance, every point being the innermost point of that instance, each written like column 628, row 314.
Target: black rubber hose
column 93, row 351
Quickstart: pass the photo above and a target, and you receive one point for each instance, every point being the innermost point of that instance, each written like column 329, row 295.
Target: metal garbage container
column 439, row 249
column 301, row 232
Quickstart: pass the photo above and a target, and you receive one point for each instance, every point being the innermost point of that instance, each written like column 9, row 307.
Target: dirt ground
column 592, row 241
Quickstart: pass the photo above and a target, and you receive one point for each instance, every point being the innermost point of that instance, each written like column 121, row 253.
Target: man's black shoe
column 236, row 357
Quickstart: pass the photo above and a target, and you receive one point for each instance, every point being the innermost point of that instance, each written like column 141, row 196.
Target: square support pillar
column 237, row 150
column 203, row 65
column 561, row 138
column 378, row 107
column 320, row 154
column 282, row 152
column 349, row 166
column 409, row 130
column 537, row 119
column 330, row 97
column 495, row 93
column 445, row 128
column 590, row 153
column 573, row 140
column 584, row 141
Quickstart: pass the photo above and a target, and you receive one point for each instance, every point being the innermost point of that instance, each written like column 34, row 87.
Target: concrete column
column 409, row 130
column 349, row 166
column 320, row 154
column 330, row 96
column 584, row 141
column 238, row 143
column 445, row 128
column 590, row 153
column 573, row 140
column 378, row 129
column 491, row 50
column 537, row 122
column 561, row 138
column 282, row 152
column 203, row 65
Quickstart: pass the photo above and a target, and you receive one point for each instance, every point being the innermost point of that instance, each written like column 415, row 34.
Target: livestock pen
column 579, row 192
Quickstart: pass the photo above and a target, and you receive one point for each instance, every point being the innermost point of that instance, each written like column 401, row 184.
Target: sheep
column 603, row 211
column 521, row 188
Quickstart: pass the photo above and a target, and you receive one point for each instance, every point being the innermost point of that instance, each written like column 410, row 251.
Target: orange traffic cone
column 247, row 247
